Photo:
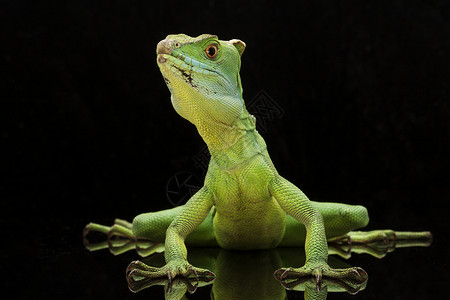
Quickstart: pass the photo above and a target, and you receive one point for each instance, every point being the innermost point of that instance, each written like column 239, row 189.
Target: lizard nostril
column 162, row 60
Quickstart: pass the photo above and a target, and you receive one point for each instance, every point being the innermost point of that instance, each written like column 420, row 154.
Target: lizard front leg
column 294, row 202
column 190, row 217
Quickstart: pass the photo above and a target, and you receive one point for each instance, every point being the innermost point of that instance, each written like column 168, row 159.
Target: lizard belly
column 258, row 226
column 247, row 216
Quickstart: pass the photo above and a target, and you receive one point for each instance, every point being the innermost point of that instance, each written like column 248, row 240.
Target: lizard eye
column 211, row 51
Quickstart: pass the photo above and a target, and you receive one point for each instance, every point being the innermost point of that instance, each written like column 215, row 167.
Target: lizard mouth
column 171, row 66
column 181, row 62
column 183, row 67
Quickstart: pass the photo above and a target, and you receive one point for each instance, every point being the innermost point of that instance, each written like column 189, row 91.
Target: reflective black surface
column 64, row 269
column 88, row 133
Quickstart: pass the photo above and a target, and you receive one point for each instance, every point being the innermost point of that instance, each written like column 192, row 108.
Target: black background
column 88, row 132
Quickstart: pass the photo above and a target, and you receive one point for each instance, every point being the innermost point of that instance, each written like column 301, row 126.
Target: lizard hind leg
column 147, row 233
column 339, row 219
column 153, row 225
column 342, row 218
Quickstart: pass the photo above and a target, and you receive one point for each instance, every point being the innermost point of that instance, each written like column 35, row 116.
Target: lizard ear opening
column 240, row 45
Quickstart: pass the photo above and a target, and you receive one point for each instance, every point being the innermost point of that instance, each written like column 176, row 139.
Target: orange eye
column 211, row 51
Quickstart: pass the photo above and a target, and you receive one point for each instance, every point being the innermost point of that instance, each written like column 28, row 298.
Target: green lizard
column 244, row 203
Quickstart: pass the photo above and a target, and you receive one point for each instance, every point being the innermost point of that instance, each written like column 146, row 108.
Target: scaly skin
column 249, row 197
column 244, row 203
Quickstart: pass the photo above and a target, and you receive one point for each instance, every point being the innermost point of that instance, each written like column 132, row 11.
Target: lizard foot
column 377, row 243
column 354, row 276
column 119, row 239
column 176, row 286
column 138, row 271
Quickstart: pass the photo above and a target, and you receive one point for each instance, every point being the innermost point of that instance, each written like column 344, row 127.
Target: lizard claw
column 355, row 276
column 317, row 273
column 137, row 271
column 169, row 286
column 140, row 276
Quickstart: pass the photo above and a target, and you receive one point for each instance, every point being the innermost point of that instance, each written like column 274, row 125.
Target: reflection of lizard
column 244, row 203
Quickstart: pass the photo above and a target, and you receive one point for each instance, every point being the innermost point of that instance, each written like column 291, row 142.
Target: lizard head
column 202, row 75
